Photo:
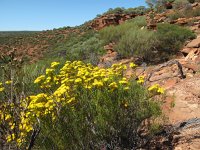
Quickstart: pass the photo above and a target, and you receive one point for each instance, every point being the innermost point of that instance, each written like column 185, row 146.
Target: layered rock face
column 110, row 19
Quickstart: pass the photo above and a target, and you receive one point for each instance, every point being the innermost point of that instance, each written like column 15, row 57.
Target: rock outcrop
column 181, row 136
column 110, row 19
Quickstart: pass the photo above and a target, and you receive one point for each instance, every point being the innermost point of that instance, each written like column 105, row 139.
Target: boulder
column 110, row 19
column 186, row 50
column 194, row 43
column 162, row 76
column 181, row 136
column 191, row 66
column 170, row 83
column 194, row 56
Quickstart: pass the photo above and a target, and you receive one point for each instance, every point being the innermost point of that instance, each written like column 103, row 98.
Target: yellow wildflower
column 153, row 87
column 161, row 90
column 140, row 79
column 8, row 82
column 49, row 71
column 97, row 83
column 2, row 89
column 126, row 88
column 125, row 104
column 132, row 65
column 113, row 85
column 156, row 88
column 10, row 137
column 78, row 80
column 39, row 79
column 54, row 64
column 123, row 81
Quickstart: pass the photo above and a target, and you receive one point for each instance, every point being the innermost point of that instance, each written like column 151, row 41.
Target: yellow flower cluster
column 132, row 65
column 60, row 86
column 8, row 82
column 141, row 79
column 156, row 89
column 1, row 87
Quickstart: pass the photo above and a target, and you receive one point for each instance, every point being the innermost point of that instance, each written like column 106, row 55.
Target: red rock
column 194, row 28
column 195, row 4
column 139, row 71
column 197, row 59
column 192, row 54
column 186, row 50
column 110, row 19
column 194, row 43
column 167, row 106
column 182, row 21
column 194, row 67
column 161, row 77
column 170, row 83
column 109, row 47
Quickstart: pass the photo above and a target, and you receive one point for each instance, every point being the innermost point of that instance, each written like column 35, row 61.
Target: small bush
column 186, row 13
column 117, row 10
column 120, row 10
column 193, row 12
column 176, row 15
column 152, row 46
column 172, row 37
column 115, row 33
column 137, row 42
column 180, row 4
column 138, row 10
column 86, row 47
column 88, row 50
column 191, row 1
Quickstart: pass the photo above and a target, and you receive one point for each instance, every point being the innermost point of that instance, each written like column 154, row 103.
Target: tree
column 157, row 3
column 152, row 3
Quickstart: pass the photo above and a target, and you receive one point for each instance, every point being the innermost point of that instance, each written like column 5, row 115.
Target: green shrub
column 121, row 10
column 172, row 37
column 176, row 15
column 180, row 4
column 88, row 50
column 191, row 1
column 192, row 12
column 115, row 10
column 86, row 47
column 137, row 42
column 137, row 10
column 152, row 46
column 186, row 13
column 115, row 33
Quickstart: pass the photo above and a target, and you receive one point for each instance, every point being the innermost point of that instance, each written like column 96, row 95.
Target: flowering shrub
column 156, row 89
column 80, row 106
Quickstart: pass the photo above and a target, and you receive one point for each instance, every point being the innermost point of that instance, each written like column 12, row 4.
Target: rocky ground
column 182, row 99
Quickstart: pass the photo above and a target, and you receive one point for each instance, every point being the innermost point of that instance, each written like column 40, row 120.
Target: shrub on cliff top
column 132, row 40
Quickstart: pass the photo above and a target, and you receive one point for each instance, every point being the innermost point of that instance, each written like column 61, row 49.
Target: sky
column 37, row 15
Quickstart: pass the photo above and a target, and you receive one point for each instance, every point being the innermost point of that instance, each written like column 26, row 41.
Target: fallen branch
column 34, row 136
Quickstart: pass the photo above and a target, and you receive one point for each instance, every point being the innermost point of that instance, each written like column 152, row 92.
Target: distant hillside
column 53, row 43
column 33, row 44
column 16, row 33
column 83, row 42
